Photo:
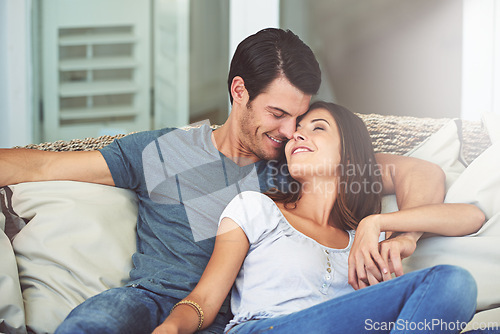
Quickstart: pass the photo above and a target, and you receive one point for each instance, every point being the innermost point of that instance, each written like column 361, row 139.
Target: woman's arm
column 231, row 247
column 415, row 182
column 443, row 219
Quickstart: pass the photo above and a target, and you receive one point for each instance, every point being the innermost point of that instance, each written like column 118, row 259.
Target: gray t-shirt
column 183, row 183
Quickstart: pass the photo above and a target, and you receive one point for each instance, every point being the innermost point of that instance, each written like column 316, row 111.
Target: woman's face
column 315, row 148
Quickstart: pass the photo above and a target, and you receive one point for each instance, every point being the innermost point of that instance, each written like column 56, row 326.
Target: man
column 183, row 180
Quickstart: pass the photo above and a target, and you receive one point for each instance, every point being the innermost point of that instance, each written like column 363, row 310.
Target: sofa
column 63, row 242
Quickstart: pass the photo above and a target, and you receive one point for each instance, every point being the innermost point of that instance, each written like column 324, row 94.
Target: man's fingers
column 384, row 253
column 396, row 263
column 362, row 284
column 372, row 269
column 372, row 280
column 382, row 269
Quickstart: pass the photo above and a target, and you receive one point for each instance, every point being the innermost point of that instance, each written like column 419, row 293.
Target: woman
column 287, row 253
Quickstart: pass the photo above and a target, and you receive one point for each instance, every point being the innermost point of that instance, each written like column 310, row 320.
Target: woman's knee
column 456, row 282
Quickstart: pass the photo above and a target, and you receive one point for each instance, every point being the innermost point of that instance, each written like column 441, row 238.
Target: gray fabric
column 12, row 222
column 183, row 184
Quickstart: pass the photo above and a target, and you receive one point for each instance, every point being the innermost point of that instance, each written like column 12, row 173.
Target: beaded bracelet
column 194, row 305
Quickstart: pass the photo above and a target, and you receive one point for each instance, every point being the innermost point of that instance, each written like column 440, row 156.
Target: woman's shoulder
column 252, row 194
column 253, row 199
column 254, row 212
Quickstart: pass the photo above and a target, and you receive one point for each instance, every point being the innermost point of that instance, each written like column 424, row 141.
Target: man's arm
column 27, row 165
column 415, row 182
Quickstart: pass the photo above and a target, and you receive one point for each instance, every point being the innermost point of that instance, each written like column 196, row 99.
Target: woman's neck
column 317, row 200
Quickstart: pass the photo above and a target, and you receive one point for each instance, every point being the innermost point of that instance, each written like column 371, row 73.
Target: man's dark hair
column 270, row 53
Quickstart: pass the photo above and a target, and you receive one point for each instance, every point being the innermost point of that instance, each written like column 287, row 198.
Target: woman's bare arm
column 231, row 247
column 443, row 219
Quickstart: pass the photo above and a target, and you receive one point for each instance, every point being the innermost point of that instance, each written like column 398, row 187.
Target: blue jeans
column 126, row 310
column 440, row 299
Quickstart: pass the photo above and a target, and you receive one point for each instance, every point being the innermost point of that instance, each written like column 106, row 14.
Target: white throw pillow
column 479, row 253
column 11, row 300
column 491, row 122
column 79, row 241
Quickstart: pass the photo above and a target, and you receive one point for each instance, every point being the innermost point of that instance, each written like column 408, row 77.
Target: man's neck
column 226, row 141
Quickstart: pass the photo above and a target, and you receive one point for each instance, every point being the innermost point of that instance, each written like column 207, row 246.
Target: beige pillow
column 79, row 241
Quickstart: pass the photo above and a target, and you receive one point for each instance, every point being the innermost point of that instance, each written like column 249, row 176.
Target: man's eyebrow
column 279, row 109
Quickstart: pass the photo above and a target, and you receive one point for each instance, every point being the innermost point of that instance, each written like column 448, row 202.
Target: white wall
column 16, row 126
column 248, row 17
column 293, row 16
column 4, row 115
column 209, row 59
column 481, row 58
column 399, row 57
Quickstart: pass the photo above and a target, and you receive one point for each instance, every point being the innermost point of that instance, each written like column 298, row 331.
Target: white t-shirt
column 284, row 271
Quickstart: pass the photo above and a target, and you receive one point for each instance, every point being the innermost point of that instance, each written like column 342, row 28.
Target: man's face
column 270, row 119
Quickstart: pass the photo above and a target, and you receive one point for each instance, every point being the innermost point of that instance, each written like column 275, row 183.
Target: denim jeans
column 440, row 299
column 126, row 310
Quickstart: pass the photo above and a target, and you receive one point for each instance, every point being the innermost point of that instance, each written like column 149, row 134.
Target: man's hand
column 396, row 248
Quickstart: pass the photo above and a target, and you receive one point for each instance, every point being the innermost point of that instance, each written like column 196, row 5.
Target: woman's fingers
column 352, row 276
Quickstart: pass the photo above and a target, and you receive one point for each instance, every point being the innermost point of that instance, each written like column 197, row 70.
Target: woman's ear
column 238, row 90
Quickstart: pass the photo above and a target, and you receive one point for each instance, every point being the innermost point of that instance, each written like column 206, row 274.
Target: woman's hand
column 166, row 328
column 366, row 264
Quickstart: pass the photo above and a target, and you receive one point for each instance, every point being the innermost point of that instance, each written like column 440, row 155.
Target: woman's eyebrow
column 320, row 119
column 314, row 120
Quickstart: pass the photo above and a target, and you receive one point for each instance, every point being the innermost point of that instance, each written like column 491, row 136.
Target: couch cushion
column 11, row 300
column 79, row 242
column 491, row 122
column 479, row 253
column 477, row 184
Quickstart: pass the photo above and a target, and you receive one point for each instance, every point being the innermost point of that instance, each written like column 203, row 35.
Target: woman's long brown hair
column 360, row 181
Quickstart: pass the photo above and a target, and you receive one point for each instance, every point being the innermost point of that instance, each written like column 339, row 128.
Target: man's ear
column 238, row 90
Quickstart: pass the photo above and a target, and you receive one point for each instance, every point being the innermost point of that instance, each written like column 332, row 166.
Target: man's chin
column 277, row 155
